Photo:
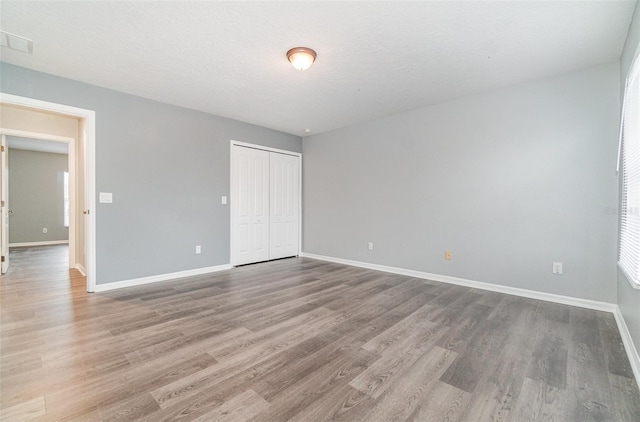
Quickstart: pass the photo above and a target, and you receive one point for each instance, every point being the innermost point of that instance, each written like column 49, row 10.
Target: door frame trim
column 231, row 185
column 88, row 117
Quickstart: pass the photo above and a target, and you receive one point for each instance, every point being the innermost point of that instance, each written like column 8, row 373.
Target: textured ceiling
column 374, row 58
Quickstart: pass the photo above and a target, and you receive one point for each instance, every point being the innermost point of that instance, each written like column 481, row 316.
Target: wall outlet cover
column 557, row 268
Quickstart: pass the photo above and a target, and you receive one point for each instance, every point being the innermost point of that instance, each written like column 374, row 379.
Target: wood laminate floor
column 299, row 340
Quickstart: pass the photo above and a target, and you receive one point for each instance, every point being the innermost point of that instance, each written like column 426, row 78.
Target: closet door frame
column 232, row 219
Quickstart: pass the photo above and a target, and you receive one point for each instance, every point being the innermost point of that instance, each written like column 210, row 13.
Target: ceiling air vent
column 16, row 42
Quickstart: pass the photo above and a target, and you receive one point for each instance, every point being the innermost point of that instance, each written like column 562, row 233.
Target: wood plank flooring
column 299, row 340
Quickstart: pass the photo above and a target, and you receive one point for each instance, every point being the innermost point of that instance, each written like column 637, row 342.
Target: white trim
column 516, row 291
column 628, row 277
column 71, row 168
column 624, row 101
column 36, row 135
column 4, row 217
column 89, row 119
column 232, row 186
column 43, row 243
column 629, row 346
column 263, row 148
column 81, row 269
column 160, row 277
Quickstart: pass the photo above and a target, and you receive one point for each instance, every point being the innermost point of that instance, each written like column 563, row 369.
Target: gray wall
column 509, row 181
column 628, row 297
column 36, row 196
column 167, row 168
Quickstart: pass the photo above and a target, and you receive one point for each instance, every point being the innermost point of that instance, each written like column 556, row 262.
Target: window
column 66, row 198
column 629, row 250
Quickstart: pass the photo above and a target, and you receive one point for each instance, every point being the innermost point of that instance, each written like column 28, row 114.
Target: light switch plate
column 224, row 200
column 557, row 268
column 106, row 197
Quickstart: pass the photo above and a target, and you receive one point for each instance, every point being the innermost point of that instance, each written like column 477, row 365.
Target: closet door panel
column 250, row 205
column 284, row 177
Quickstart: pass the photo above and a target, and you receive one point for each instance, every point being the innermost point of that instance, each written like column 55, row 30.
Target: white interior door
column 284, row 207
column 249, row 205
column 4, row 201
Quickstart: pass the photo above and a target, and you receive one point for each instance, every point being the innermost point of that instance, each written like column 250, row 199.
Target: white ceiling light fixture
column 301, row 57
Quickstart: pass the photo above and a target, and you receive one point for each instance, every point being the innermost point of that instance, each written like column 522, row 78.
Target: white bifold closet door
column 265, row 195
column 284, row 207
column 250, row 203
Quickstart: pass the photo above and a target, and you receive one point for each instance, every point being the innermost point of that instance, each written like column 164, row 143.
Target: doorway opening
column 41, row 196
column 81, row 175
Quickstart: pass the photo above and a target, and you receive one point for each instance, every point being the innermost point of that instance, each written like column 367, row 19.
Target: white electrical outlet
column 557, row 268
column 44, row 230
column 198, row 249
column 370, row 246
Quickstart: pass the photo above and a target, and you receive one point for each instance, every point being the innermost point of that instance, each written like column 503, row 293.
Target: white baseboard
column 632, row 352
column 82, row 270
column 44, row 243
column 160, row 277
column 516, row 291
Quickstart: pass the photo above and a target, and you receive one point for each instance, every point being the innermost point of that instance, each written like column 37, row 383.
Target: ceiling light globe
column 301, row 57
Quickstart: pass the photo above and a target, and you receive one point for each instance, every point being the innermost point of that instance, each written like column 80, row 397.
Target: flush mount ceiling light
column 301, row 57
